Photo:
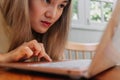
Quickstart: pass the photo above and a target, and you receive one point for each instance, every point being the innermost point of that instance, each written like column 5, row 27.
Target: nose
column 51, row 12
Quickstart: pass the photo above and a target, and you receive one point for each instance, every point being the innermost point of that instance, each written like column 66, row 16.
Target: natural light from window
column 91, row 12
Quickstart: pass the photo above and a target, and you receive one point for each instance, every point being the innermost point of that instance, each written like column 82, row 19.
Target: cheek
column 34, row 13
column 59, row 14
column 35, row 10
column 35, row 16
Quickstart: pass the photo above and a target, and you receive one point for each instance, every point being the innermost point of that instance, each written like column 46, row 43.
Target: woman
column 34, row 28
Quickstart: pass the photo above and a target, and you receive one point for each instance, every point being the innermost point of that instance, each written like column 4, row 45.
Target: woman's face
column 44, row 13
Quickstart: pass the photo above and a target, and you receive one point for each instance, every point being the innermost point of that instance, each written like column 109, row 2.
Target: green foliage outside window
column 100, row 11
column 75, row 9
column 107, row 9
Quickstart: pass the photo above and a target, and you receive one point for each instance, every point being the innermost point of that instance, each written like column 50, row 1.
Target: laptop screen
column 107, row 53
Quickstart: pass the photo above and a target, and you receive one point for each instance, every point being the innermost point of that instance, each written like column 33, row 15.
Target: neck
column 37, row 36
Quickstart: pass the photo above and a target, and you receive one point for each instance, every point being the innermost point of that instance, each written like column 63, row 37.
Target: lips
column 46, row 23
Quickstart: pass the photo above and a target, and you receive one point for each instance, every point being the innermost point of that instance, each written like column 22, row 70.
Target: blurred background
column 89, row 19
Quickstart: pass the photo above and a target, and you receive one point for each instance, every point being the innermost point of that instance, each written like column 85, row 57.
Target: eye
column 47, row 1
column 62, row 6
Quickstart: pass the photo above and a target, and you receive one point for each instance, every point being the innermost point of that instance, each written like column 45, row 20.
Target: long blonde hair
column 16, row 13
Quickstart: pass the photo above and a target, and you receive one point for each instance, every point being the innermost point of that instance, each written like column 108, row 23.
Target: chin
column 42, row 32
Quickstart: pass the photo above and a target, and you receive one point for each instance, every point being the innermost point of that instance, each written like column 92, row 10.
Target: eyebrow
column 66, row 1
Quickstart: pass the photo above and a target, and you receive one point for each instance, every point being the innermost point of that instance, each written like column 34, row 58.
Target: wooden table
column 14, row 74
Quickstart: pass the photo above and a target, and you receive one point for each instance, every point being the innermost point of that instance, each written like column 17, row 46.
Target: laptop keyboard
column 66, row 64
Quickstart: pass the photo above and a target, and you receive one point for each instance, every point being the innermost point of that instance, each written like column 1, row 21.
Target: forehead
column 60, row 1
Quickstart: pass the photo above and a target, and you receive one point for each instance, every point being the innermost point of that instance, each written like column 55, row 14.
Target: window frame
column 83, row 21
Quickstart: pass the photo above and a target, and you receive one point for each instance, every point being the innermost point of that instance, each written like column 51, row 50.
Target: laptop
column 106, row 56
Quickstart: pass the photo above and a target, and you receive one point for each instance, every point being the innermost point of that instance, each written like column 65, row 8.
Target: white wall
column 85, row 35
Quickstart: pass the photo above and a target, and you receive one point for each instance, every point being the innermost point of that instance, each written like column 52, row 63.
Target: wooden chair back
column 79, row 48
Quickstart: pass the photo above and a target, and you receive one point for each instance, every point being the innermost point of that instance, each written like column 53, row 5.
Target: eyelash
column 47, row 1
column 62, row 6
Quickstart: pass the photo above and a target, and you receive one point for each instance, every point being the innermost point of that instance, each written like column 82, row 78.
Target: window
column 88, row 13
column 75, row 10
column 100, row 10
